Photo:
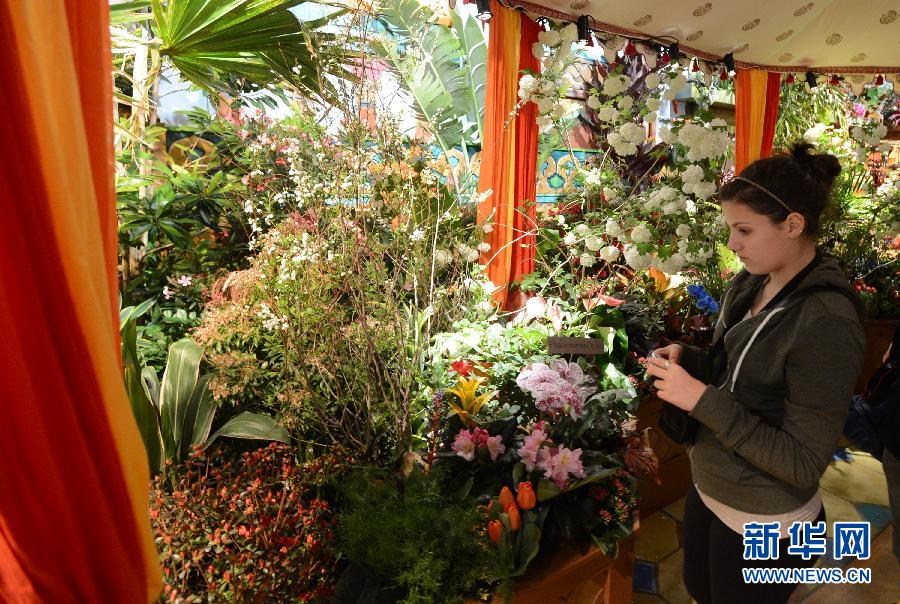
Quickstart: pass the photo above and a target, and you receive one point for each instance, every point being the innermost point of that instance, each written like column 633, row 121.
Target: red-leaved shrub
column 243, row 531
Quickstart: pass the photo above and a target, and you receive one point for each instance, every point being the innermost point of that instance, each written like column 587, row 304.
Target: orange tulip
column 526, row 498
column 506, row 497
column 515, row 520
column 495, row 530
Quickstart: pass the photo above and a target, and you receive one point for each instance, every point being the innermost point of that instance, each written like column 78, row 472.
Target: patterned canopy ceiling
column 847, row 36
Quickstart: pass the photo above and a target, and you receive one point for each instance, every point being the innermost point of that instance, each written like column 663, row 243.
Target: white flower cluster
column 666, row 200
column 676, row 82
column 703, row 143
column 627, row 138
column 549, row 88
column 615, row 85
column 869, row 136
column 271, row 321
column 692, row 179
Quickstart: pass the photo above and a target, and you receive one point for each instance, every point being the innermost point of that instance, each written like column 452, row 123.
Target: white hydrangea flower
column 569, row 33
column 544, row 105
column 593, row 243
column 484, row 247
column 570, row 239
column 527, row 85
column 615, row 85
column 550, row 38
column 667, row 136
column 673, row 264
column 610, row 194
column 537, row 49
column 652, row 80
column 610, row 254
column 626, row 102
column 594, row 102
column 880, row 131
column 582, row 229
column 613, row 229
column 703, row 189
column 651, row 117
column 718, row 123
column 640, row 233
column 607, row 113
column 634, row 133
column 587, row 260
column 692, row 173
column 635, row 259
column 442, row 257
column 683, row 230
column 653, row 104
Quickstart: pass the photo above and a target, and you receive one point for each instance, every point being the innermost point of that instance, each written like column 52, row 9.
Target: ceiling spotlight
column 484, row 10
column 674, row 52
column 729, row 62
column 584, row 28
column 811, row 79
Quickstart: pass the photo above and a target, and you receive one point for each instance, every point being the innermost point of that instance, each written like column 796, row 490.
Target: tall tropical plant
column 444, row 69
column 177, row 412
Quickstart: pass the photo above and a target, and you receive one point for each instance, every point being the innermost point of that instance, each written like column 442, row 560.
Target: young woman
column 771, row 396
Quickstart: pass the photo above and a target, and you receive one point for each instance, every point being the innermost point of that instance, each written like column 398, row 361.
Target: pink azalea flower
column 464, row 445
column 528, row 452
column 566, row 462
column 495, row 446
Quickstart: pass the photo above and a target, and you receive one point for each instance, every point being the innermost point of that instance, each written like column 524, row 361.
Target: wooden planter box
column 573, row 578
column 674, row 465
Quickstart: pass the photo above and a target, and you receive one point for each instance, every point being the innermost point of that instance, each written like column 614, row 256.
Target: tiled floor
column 851, row 491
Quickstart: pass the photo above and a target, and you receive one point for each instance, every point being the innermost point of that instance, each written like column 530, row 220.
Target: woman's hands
column 671, row 353
column 674, row 384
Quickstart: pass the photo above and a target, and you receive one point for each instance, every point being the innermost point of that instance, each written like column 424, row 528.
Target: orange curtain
column 756, row 111
column 498, row 150
column 525, row 190
column 74, row 523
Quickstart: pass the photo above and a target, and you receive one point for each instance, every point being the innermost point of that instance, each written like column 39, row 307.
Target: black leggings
column 713, row 559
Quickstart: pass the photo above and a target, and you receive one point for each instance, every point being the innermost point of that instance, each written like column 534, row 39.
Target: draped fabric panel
column 498, row 150
column 525, row 192
column 509, row 152
column 74, row 523
column 756, row 111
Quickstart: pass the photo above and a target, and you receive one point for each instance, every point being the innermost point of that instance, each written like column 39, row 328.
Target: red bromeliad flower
column 462, row 367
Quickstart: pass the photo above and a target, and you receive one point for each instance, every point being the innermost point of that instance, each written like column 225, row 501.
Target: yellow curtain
column 74, row 523
column 497, row 171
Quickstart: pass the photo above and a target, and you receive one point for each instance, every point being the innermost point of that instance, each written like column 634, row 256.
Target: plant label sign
column 583, row 346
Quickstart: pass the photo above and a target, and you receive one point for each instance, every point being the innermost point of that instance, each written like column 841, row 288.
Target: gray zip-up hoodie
column 771, row 416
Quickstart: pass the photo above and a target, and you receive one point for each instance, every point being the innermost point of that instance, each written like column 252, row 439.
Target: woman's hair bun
column 826, row 165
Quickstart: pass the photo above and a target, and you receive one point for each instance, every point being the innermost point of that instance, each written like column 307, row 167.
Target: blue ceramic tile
column 645, row 577
column 876, row 515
